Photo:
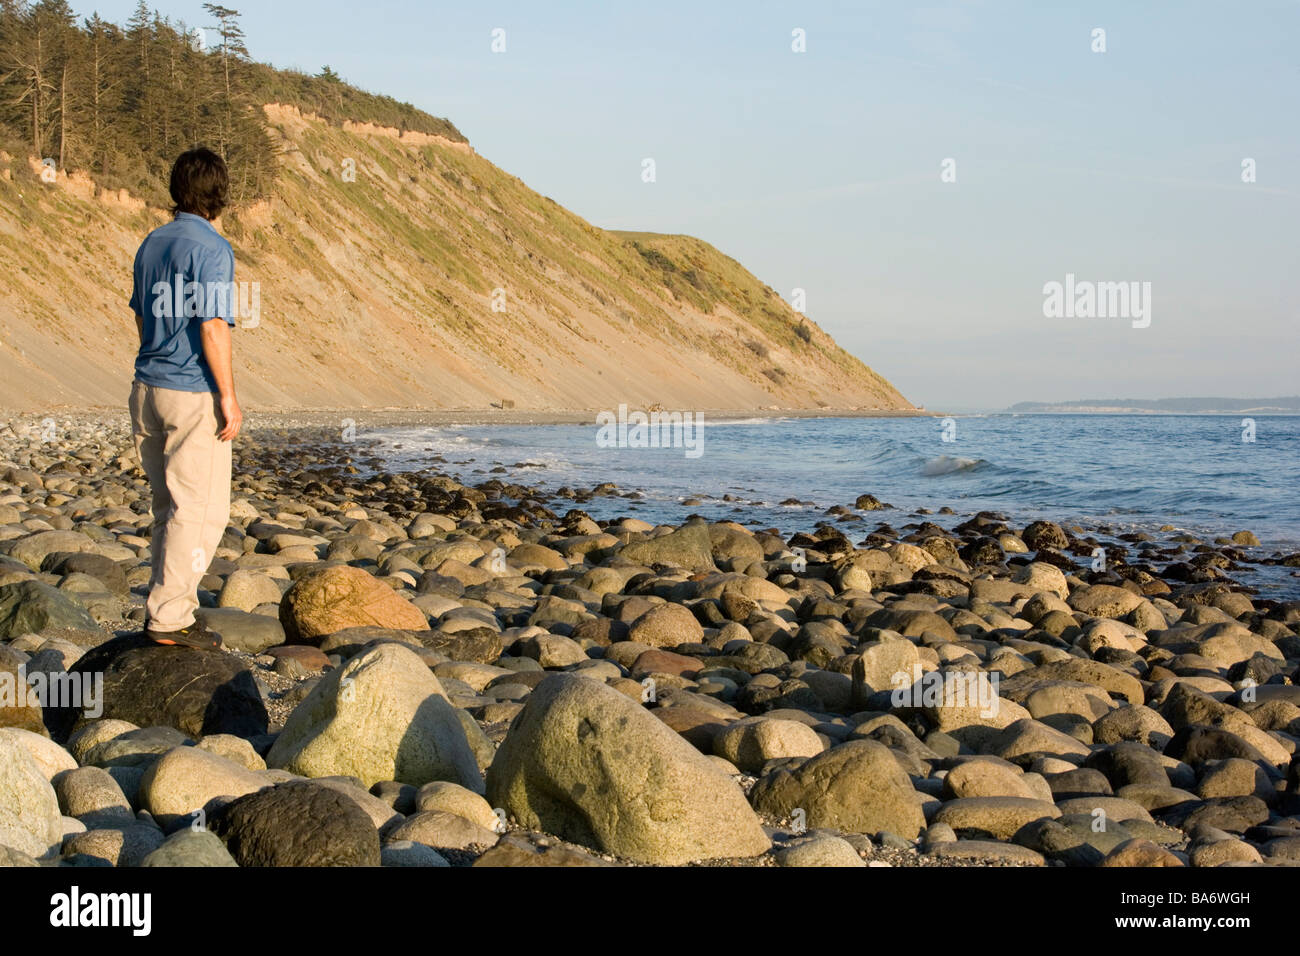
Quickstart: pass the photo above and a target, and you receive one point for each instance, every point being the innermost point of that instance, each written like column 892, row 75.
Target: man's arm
column 139, row 326
column 217, row 351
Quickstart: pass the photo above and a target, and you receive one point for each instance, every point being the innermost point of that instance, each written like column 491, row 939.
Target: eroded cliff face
column 404, row 270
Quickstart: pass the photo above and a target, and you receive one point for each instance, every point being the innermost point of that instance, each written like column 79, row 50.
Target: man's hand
column 231, row 417
column 217, row 353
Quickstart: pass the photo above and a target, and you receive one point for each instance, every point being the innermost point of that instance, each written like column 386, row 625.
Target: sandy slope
column 378, row 290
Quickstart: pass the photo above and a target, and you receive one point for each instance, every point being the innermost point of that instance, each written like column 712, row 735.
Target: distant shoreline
column 1156, row 412
column 1189, row 405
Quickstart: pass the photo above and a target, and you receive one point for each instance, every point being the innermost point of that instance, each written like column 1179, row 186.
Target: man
column 184, row 413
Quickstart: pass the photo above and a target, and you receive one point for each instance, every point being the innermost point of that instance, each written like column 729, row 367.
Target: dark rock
column 197, row 691
column 31, row 606
column 1196, row 743
column 1232, row 814
column 1044, row 534
column 298, row 824
column 102, row 569
column 1129, row 762
column 600, row 630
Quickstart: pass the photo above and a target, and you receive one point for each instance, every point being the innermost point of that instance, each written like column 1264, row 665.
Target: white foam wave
column 947, row 464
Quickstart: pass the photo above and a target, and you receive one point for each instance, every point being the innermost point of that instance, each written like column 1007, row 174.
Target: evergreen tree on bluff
column 121, row 102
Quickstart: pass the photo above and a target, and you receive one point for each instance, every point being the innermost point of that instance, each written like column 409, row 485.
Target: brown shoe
column 196, row 635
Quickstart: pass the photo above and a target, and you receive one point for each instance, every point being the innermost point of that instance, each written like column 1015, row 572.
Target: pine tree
column 27, row 57
column 139, row 93
column 56, row 27
column 231, row 51
column 95, row 98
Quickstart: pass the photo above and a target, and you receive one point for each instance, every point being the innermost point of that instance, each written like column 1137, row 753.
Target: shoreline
column 772, row 662
column 389, row 417
column 395, row 417
column 324, row 426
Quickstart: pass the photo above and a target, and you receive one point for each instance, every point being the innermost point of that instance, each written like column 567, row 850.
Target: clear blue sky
column 821, row 170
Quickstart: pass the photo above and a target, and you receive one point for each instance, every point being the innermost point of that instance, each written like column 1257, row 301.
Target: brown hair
column 200, row 183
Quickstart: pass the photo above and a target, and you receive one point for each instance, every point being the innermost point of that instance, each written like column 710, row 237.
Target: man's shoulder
column 153, row 237
column 206, row 235
column 162, row 234
column 189, row 231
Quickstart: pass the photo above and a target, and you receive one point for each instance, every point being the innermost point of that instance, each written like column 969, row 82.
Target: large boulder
column 242, row 630
column 443, row 830
column 124, row 846
column 482, row 645
column 1044, row 534
column 28, row 607
column 590, row 765
column 966, row 703
column 383, row 715
column 996, row 817
column 734, row 543
column 334, row 598
column 245, row 589
column 92, row 796
column 188, row 779
column 1042, row 576
column 688, row 547
column 11, row 857
column 130, row 748
column 298, row 824
column 100, row 567
column 516, row 851
column 191, row 848
column 453, row 798
column 29, row 809
column 820, row 851
column 1104, row 600
column 1114, row 681
column 751, row 742
column 988, row 778
column 878, row 665
column 1132, row 722
column 196, row 690
column 35, row 548
column 666, row 625
column 912, row 622
column 717, row 587
column 857, row 786
column 20, row 701
column 1185, row 706
column 49, row 756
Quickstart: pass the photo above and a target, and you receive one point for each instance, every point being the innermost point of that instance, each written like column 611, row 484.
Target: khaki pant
column 189, row 472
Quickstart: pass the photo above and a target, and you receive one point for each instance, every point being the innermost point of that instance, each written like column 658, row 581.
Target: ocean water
column 1107, row 473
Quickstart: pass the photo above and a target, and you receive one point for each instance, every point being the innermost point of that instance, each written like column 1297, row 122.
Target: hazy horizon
column 822, row 170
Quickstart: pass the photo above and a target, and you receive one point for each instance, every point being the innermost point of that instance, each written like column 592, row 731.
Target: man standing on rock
column 184, row 414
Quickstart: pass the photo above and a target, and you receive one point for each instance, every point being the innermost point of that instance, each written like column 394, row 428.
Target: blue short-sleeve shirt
column 184, row 276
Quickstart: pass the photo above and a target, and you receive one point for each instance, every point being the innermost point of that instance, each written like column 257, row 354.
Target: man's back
column 184, row 275
column 184, row 413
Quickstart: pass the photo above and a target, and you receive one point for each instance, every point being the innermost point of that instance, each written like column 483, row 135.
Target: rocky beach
column 419, row 672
